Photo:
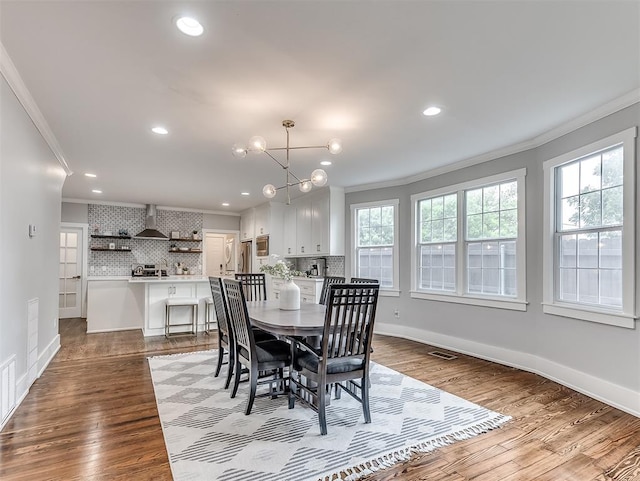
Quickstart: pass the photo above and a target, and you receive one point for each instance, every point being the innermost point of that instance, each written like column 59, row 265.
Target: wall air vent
column 443, row 355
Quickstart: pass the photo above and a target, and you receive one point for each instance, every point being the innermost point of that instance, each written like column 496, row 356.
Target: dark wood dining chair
column 225, row 335
column 328, row 281
column 343, row 358
column 270, row 356
column 363, row 280
column 254, row 286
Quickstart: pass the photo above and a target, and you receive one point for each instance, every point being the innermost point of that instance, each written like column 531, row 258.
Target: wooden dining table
column 308, row 321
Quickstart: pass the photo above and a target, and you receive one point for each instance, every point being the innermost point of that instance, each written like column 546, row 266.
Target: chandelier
column 318, row 177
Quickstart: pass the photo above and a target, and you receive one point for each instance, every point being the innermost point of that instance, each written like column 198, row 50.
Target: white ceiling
column 104, row 72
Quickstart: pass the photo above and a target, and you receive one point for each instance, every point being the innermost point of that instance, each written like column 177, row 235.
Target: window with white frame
column 589, row 251
column 470, row 244
column 375, row 242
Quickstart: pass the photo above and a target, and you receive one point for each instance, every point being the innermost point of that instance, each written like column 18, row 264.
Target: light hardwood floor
column 92, row 416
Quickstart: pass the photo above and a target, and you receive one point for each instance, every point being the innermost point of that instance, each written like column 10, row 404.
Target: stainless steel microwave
column 262, row 246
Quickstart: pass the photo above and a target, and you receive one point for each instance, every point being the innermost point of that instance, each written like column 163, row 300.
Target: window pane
column 474, row 254
column 450, row 230
column 587, row 250
column 449, row 255
column 509, row 223
column 437, row 208
column 612, row 206
column 568, row 251
column 610, row 250
column 491, row 198
column 425, row 210
column 508, row 254
column 588, row 286
column 374, row 216
column 491, row 225
column 490, row 281
column 451, row 206
column 474, row 227
column 425, row 232
column 612, row 168
column 364, row 237
column 568, row 285
column 590, row 210
column 570, row 180
column 474, row 201
column 72, row 254
column 569, row 213
column 509, row 195
column 490, row 255
column 62, row 254
column 436, row 231
column 611, row 287
column 449, row 279
column 590, row 179
column 62, row 239
column 509, row 286
column 475, row 281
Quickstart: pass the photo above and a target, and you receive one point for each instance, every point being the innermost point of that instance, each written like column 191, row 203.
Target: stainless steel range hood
column 151, row 231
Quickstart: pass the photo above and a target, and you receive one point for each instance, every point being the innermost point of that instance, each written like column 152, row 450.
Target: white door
column 214, row 254
column 70, row 272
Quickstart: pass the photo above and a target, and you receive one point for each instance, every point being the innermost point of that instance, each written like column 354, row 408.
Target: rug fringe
column 355, row 473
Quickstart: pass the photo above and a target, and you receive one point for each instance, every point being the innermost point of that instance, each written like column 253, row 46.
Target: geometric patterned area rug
column 208, row 436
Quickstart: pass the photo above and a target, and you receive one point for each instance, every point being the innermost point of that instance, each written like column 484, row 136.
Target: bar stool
column 208, row 311
column 191, row 302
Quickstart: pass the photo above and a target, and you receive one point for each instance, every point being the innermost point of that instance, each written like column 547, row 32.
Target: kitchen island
column 122, row 303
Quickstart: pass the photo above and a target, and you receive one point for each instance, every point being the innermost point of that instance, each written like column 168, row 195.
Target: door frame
column 235, row 233
column 85, row 259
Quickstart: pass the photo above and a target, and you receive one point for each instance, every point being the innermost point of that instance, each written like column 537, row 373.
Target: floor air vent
column 443, row 355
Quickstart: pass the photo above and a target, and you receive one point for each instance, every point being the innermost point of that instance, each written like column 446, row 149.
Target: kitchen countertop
column 171, row 279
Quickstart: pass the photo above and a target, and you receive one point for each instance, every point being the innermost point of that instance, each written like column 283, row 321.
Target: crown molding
column 13, row 78
column 143, row 206
column 605, row 110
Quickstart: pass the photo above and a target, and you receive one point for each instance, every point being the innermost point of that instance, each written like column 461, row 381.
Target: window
column 470, row 242
column 589, row 252
column 375, row 240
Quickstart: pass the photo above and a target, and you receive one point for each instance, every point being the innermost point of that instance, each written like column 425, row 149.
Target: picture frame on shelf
column 175, row 234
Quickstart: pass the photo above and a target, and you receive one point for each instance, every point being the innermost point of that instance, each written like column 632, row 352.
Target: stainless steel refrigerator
column 245, row 257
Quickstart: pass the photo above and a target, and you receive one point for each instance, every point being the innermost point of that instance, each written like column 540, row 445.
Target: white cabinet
column 261, row 222
column 289, row 230
column 247, row 225
column 317, row 220
column 310, row 289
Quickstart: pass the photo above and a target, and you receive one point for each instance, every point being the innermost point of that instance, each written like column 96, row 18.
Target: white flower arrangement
column 280, row 269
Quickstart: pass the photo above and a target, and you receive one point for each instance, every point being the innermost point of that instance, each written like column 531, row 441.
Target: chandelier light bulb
column 257, row 144
column 318, row 177
column 269, row 191
column 305, row 186
column 335, row 146
column 239, row 150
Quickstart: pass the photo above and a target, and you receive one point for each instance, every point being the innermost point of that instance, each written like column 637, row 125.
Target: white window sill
column 601, row 316
column 512, row 304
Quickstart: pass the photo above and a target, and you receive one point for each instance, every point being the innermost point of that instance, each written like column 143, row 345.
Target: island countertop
column 168, row 279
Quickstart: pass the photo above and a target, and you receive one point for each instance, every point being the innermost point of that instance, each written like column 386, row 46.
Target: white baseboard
column 114, row 329
column 612, row 394
column 22, row 384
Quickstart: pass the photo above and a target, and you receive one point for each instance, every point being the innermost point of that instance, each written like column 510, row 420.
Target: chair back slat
column 328, row 281
column 238, row 315
column 220, row 304
column 254, row 286
column 349, row 320
column 364, row 280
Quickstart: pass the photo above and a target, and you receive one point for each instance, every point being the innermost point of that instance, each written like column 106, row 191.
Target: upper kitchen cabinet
column 290, row 235
column 319, row 223
column 247, row 224
column 264, row 220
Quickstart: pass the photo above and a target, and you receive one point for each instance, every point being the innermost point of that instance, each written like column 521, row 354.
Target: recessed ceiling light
column 225, row 204
column 159, row 130
column 325, row 162
column 432, row 111
column 189, row 26
column 244, row 193
column 87, row 174
column 96, row 191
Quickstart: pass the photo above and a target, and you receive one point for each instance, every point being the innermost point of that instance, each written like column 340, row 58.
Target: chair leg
column 338, row 391
column 253, row 381
column 231, row 370
column 365, row 400
column 220, row 356
column 236, row 379
column 322, row 415
column 292, row 393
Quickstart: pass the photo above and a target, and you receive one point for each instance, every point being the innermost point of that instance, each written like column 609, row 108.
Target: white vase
column 289, row 296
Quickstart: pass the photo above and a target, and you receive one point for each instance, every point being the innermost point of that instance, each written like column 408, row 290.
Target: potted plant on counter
column 289, row 292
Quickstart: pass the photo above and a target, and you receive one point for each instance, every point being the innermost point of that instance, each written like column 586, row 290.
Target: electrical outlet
column 92, row 269
column 396, row 313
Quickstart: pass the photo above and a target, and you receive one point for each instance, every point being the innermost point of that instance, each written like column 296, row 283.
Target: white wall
column 599, row 360
column 75, row 212
column 31, row 181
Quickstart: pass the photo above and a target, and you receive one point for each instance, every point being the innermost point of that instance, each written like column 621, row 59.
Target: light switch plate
column 32, row 230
